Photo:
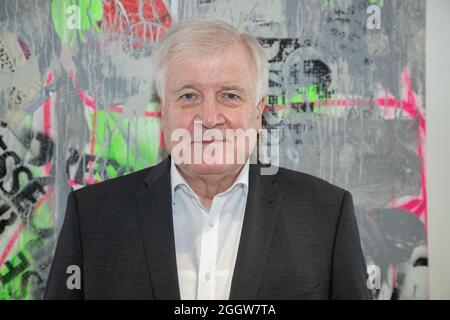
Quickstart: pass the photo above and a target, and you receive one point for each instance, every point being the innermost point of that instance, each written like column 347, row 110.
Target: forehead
column 232, row 66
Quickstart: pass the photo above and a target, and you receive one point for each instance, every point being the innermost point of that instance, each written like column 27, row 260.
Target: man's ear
column 259, row 111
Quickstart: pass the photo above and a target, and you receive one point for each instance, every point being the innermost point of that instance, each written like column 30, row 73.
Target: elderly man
column 193, row 228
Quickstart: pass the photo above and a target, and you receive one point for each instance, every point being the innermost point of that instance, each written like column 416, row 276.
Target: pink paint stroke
column 416, row 205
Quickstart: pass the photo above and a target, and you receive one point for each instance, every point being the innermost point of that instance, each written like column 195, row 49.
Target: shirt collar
column 177, row 179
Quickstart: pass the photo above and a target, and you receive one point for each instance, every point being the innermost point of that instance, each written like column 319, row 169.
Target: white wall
column 438, row 145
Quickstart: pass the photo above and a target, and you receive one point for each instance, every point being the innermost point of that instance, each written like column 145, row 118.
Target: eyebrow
column 237, row 88
column 187, row 86
column 223, row 88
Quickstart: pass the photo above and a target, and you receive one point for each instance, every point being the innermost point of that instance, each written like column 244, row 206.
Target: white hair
column 206, row 37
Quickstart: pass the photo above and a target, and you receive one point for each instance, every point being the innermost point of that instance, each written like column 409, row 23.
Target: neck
column 208, row 186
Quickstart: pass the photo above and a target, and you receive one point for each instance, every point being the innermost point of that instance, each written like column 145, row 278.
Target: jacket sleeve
column 349, row 273
column 65, row 278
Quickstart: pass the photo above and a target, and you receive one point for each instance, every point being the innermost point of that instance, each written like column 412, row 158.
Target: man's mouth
column 210, row 141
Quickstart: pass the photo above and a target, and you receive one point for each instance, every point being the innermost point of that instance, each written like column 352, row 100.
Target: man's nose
column 210, row 113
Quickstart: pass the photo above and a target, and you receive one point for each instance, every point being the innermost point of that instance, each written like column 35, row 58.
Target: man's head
column 209, row 77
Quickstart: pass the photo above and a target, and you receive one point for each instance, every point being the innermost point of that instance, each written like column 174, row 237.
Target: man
column 195, row 228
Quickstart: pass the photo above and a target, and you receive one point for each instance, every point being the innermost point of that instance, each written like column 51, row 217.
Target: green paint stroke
column 72, row 19
column 28, row 256
column 305, row 94
column 130, row 142
column 376, row 2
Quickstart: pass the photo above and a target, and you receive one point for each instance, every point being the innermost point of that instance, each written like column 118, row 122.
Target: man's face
column 211, row 93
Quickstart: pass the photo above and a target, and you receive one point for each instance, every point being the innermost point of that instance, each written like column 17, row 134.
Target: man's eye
column 187, row 96
column 231, row 96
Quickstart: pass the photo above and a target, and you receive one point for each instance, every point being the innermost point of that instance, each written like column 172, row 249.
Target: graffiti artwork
column 346, row 90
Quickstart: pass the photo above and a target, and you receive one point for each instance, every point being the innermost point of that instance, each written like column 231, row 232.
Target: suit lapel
column 155, row 215
column 259, row 223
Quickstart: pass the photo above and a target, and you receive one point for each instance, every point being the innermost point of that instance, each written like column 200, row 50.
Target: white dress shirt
column 206, row 243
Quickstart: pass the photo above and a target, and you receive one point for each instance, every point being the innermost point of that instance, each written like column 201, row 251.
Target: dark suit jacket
column 299, row 240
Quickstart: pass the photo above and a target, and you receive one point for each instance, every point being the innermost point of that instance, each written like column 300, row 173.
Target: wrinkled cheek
column 177, row 133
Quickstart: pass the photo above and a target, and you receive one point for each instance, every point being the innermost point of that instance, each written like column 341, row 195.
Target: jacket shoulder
column 292, row 177
column 295, row 184
column 123, row 184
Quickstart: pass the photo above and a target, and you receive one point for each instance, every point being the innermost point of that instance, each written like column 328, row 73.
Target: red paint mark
column 47, row 124
column 84, row 98
column 47, row 106
column 94, row 123
column 47, row 120
column 41, row 201
column 143, row 21
column 90, row 179
column 153, row 114
column 11, row 243
column 73, row 183
column 118, row 109
column 394, row 276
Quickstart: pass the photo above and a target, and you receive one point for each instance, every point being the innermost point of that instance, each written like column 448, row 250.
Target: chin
column 205, row 168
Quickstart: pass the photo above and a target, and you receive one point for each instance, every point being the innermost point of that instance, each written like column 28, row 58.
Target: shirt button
column 211, row 223
column 207, row 276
